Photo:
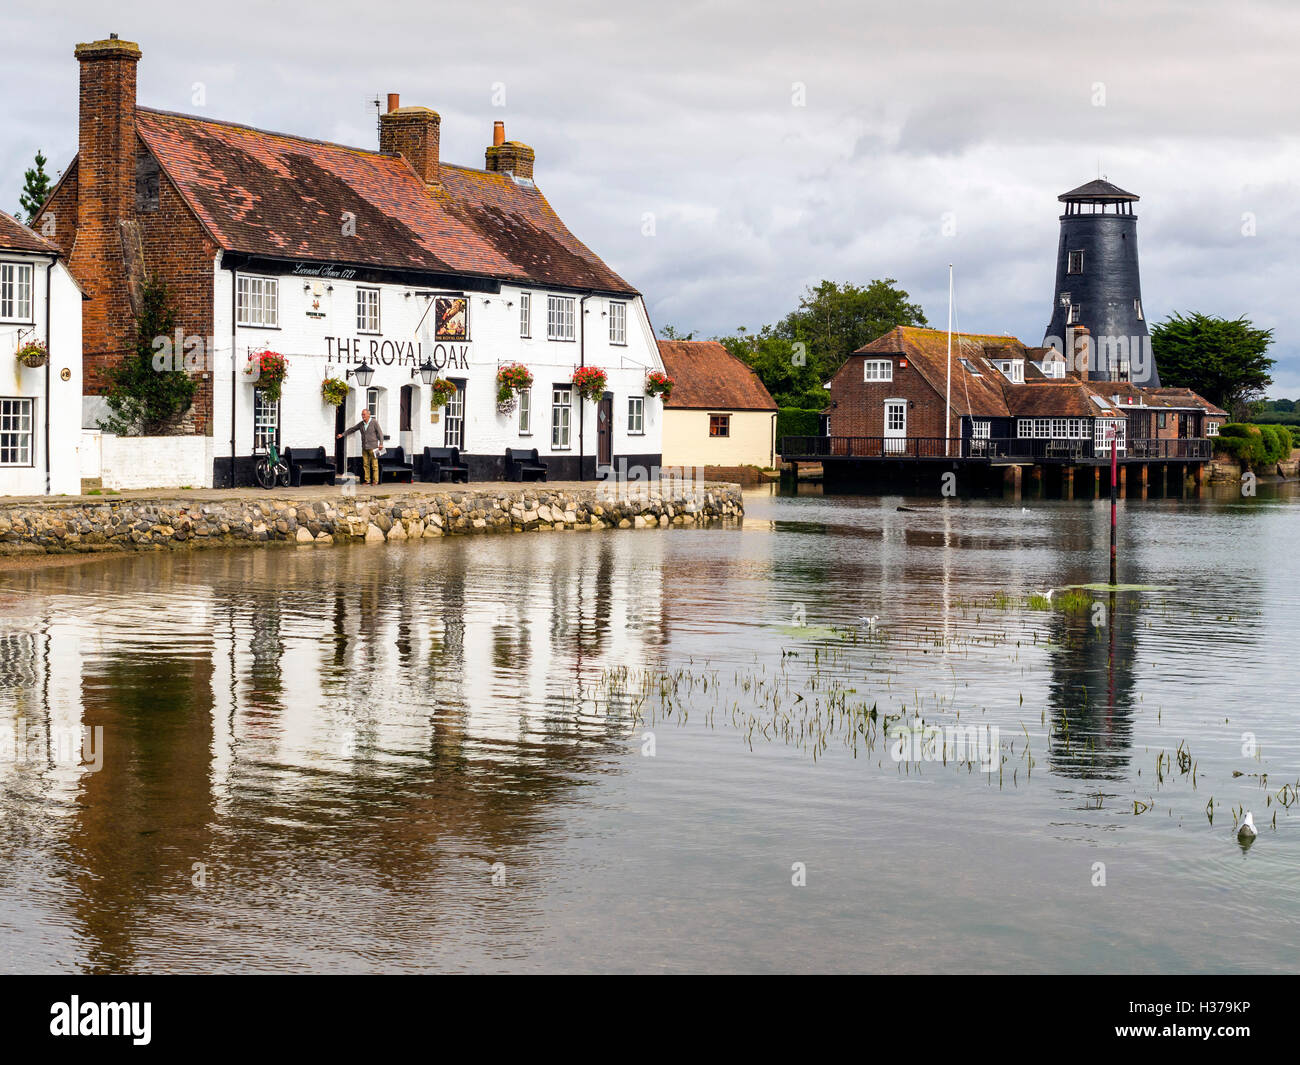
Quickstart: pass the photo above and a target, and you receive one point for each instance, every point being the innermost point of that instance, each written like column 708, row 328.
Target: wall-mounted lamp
column 427, row 371
column 364, row 374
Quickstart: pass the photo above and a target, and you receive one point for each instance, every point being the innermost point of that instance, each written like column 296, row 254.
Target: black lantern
column 427, row 371
column 363, row 373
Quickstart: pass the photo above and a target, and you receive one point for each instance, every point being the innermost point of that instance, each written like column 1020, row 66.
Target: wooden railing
column 813, row 448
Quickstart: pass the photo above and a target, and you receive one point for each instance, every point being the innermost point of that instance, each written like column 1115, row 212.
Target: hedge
column 797, row 421
column 1255, row 445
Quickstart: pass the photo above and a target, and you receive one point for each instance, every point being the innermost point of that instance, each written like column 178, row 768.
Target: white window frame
column 1211, row 428
column 636, row 415
column 1072, row 317
column 981, row 429
column 1099, row 441
column 364, row 316
column 374, row 397
column 17, row 431
column 561, row 316
column 1137, row 306
column 877, row 369
column 618, row 323
column 453, row 418
column 16, row 279
column 257, row 301
column 895, row 435
column 525, row 412
column 561, row 418
column 525, row 316
column 266, row 430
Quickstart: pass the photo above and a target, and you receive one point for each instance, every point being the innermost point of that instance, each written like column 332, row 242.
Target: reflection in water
column 402, row 758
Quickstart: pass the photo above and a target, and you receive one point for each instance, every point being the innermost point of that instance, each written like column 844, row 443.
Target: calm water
column 616, row 751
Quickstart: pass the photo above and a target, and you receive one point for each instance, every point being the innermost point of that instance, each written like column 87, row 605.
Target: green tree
column 784, row 368
column 146, row 395
column 835, row 320
column 669, row 332
column 36, row 188
column 1226, row 361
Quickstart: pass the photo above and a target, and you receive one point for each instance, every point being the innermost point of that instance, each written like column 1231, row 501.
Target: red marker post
column 1113, row 435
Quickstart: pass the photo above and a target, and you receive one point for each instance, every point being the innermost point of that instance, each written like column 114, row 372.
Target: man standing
column 372, row 445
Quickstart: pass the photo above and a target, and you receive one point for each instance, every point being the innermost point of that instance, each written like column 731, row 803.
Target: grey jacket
column 371, row 435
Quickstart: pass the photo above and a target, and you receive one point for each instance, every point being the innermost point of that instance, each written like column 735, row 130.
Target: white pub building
column 389, row 272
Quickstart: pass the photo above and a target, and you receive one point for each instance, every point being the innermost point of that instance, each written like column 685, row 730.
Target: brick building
column 391, row 261
column 1005, row 398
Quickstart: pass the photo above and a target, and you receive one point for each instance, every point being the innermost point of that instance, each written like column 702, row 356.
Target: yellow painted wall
column 687, row 441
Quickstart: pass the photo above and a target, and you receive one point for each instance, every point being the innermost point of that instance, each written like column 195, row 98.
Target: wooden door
column 605, row 430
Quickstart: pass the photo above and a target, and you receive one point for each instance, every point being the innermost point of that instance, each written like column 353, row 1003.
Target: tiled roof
column 1099, row 190
column 707, row 375
column 1062, row 399
column 14, row 236
column 1184, row 397
column 927, row 352
column 273, row 195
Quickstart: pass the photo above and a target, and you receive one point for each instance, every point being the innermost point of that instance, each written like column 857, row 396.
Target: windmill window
column 1075, row 265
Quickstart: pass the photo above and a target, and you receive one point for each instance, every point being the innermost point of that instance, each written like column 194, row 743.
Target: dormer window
column 1013, row 370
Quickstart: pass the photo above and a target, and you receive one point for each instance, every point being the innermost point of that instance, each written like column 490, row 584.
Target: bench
column 310, row 463
column 440, row 462
column 522, row 465
column 393, row 465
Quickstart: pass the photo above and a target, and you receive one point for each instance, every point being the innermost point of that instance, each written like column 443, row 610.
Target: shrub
column 797, row 421
column 143, row 400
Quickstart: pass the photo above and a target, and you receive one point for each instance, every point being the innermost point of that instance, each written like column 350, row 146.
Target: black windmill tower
column 1097, row 282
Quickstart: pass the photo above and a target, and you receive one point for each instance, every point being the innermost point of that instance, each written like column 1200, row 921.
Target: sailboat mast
column 947, row 402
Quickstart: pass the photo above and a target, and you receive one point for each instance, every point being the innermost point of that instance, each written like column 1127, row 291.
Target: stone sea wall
column 332, row 517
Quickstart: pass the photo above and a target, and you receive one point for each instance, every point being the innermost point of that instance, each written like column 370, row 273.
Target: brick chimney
column 105, row 198
column 509, row 157
column 413, row 132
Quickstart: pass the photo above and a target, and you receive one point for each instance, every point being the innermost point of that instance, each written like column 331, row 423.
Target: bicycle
column 270, row 469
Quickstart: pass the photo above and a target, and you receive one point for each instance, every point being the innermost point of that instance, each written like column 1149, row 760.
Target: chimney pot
column 394, row 101
column 498, row 134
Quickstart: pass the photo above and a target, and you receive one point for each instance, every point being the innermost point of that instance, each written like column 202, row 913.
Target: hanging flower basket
column 442, row 390
column 334, row 391
column 268, row 369
column 512, row 378
column 590, row 382
column 659, row 384
column 33, row 354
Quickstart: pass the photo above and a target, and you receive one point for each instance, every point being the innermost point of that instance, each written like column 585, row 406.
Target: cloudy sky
column 721, row 156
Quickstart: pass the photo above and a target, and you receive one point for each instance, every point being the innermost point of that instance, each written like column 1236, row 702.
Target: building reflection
column 280, row 723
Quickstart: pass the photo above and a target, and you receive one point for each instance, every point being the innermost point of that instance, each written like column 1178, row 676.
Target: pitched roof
column 1184, row 397
column 1061, row 399
column 707, row 375
column 279, row 196
column 14, row 236
column 1098, row 191
column 927, row 352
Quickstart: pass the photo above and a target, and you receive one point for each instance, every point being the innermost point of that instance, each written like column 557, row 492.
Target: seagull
column 1024, row 510
column 1247, row 829
column 1048, row 594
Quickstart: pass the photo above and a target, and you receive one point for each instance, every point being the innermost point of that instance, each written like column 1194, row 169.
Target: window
column 877, row 370
column 1054, row 368
column 971, row 368
column 1013, row 370
column 1073, row 316
column 266, row 421
column 1075, row 265
column 367, row 310
column 372, row 402
column 1137, row 306
column 980, row 429
column 1101, row 434
column 16, row 416
column 454, row 433
column 1160, row 419
column 559, row 317
column 526, row 412
column 258, row 302
column 16, row 291
column 719, row 424
column 561, row 413
column 525, row 315
column 1211, row 428
column 618, row 323
column 636, row 415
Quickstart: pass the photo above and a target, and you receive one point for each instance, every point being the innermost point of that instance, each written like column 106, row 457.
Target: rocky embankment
column 332, row 516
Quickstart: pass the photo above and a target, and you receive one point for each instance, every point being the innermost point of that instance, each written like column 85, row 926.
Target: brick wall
column 858, row 406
